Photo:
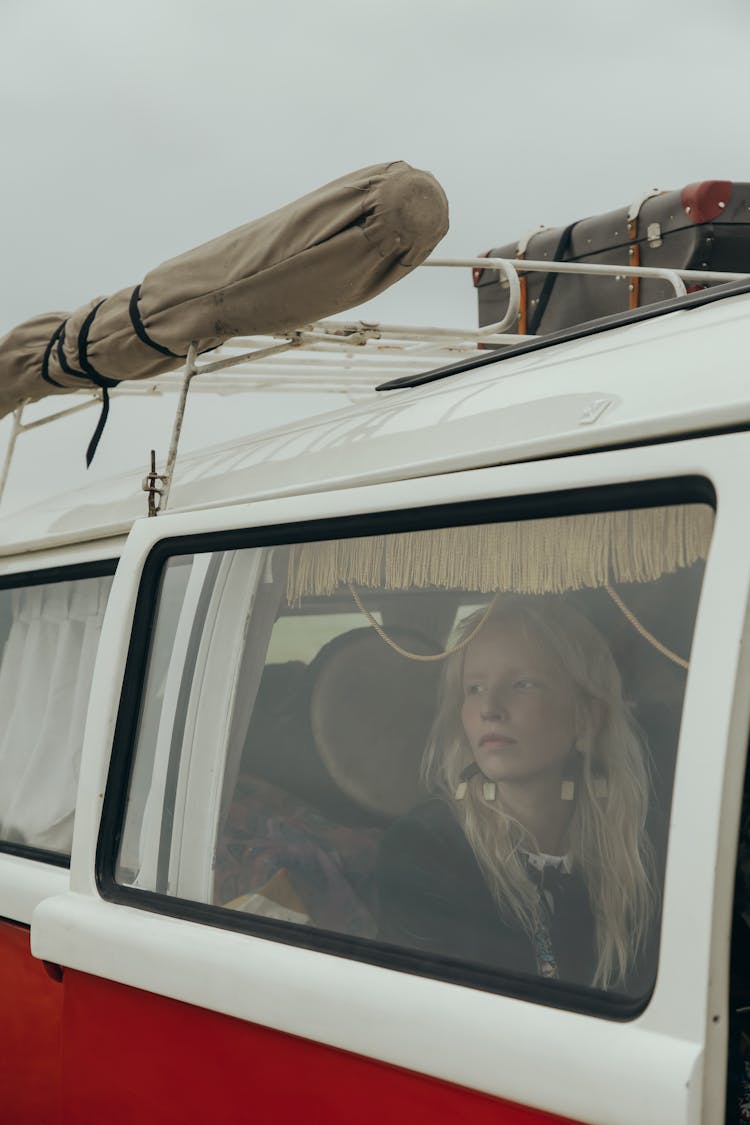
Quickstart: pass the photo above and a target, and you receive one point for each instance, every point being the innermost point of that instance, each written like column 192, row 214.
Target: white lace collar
column 540, row 861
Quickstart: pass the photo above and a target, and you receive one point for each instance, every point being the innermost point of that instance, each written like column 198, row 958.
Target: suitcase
column 704, row 226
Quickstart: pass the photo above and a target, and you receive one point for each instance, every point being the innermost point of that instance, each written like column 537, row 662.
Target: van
column 192, row 892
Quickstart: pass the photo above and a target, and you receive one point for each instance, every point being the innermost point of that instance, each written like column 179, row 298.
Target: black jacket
column 433, row 898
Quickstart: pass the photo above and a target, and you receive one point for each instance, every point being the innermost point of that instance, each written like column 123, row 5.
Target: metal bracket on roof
column 151, row 484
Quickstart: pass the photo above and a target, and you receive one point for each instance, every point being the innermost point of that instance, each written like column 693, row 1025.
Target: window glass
column 456, row 745
column 289, row 642
column 164, row 648
column 49, row 635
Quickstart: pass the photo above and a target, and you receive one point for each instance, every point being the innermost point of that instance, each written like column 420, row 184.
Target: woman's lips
column 496, row 740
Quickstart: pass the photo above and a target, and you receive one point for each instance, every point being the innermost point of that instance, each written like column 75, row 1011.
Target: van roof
column 675, row 374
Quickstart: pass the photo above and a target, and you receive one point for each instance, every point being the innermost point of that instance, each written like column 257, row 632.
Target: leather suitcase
column 705, row 226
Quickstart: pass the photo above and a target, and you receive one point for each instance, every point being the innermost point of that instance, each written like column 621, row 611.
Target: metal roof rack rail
column 350, row 357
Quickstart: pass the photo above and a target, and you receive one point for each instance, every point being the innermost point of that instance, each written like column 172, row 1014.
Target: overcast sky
column 133, row 131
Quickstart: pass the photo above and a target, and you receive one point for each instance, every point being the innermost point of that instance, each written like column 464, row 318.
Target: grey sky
column 134, row 131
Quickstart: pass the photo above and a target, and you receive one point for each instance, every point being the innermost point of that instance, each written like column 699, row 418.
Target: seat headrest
column 371, row 712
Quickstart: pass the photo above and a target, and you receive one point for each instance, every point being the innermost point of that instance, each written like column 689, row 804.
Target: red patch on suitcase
column 476, row 273
column 706, row 200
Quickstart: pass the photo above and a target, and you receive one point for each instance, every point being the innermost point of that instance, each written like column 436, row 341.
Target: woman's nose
column 495, row 704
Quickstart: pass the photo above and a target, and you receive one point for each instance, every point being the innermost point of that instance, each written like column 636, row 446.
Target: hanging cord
column 431, row 657
column 425, row 658
column 631, row 617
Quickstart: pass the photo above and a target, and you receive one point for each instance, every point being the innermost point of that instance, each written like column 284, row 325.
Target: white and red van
column 188, row 890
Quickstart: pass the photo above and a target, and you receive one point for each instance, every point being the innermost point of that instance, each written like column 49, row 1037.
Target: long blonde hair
column 608, row 845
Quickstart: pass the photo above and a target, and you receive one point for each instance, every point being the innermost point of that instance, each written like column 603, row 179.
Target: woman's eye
column 474, row 689
column 526, row 685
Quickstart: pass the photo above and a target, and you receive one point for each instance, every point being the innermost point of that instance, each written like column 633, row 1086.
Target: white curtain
column 46, row 668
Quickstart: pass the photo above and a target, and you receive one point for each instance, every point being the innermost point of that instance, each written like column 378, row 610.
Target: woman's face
column 519, row 705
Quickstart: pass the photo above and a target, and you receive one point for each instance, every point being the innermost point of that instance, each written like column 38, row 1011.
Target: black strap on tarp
column 96, row 377
column 549, row 282
column 140, row 329
column 59, row 331
column 87, row 371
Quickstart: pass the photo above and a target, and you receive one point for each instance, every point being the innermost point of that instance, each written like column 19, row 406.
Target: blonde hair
column 608, row 845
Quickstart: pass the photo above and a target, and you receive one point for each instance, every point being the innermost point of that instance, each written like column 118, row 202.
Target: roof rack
column 350, row 357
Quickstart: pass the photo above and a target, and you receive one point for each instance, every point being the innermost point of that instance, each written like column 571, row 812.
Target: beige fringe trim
column 546, row 556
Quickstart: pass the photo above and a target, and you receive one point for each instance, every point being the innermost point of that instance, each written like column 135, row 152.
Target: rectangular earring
column 489, row 790
column 460, row 791
column 568, row 791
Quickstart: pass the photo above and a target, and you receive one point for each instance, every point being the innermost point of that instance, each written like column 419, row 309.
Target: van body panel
column 399, row 1019
column 24, row 883
column 640, row 382
column 162, row 1017
column 444, row 1031
column 30, row 1063
column 50, row 556
column 238, row 1071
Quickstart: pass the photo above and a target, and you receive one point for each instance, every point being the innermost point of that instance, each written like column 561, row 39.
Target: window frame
column 640, row 494
column 101, row 568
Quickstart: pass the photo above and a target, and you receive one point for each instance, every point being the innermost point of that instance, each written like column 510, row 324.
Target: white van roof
column 675, row 374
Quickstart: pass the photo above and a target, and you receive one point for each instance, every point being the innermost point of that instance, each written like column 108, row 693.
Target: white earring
column 489, row 790
column 464, row 778
column 568, row 790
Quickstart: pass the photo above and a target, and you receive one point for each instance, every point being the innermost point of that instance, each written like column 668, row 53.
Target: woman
column 532, row 855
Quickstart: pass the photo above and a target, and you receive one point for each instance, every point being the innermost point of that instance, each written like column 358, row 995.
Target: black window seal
column 643, row 494
column 100, row 568
column 23, row 580
column 576, row 332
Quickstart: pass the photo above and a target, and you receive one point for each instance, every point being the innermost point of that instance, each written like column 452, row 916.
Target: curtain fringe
column 545, row 556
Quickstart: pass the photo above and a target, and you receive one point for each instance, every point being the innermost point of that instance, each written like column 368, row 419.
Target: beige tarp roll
column 330, row 250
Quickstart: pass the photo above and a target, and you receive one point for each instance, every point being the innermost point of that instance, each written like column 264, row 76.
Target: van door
column 243, row 936
column 50, row 621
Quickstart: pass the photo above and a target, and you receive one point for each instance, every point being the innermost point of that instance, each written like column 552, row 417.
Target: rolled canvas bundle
column 330, row 250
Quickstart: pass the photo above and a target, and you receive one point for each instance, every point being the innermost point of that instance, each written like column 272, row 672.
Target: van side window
column 49, row 634
column 447, row 750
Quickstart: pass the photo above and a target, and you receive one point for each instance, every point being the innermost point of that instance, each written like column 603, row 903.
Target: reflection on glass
column 457, row 742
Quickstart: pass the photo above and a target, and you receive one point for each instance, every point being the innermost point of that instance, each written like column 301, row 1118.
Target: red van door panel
column 30, row 1037
column 134, row 1056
